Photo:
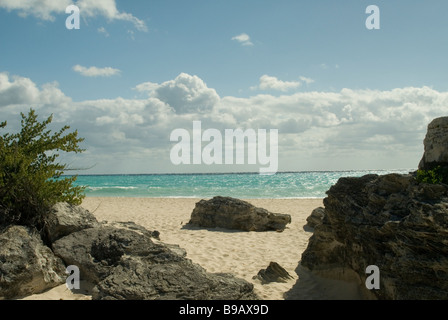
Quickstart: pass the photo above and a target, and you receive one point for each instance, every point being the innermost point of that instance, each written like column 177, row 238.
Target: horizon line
column 236, row 172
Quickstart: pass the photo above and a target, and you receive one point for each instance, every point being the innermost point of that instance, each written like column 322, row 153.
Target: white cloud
column 273, row 83
column 307, row 80
column 46, row 10
column 108, row 9
column 103, row 31
column 148, row 87
column 95, row 71
column 41, row 9
column 244, row 39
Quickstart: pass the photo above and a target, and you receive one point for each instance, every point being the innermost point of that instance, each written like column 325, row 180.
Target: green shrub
column 30, row 177
column 437, row 175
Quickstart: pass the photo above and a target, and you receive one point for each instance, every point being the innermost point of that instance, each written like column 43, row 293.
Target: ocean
column 282, row 185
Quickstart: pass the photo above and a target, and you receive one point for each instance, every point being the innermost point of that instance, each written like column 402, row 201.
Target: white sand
column 221, row 250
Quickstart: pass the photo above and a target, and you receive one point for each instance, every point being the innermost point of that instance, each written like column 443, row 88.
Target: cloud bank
column 349, row 129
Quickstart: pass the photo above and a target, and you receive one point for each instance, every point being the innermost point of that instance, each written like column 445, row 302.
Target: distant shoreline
column 228, row 173
column 195, row 197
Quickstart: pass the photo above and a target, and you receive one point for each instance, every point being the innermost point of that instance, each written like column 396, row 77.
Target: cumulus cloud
column 47, row 9
column 17, row 90
column 185, row 94
column 244, row 39
column 95, row 71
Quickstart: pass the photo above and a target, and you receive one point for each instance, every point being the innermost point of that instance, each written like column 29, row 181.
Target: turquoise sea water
column 238, row 185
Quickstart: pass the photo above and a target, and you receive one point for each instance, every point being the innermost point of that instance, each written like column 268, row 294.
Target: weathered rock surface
column 64, row 218
column 120, row 260
column 435, row 144
column 273, row 273
column 130, row 225
column 316, row 217
column 231, row 213
column 127, row 264
column 169, row 280
column 27, row 266
column 390, row 221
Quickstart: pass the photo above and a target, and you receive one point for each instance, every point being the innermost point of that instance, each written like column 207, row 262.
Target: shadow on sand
column 219, row 229
column 312, row 287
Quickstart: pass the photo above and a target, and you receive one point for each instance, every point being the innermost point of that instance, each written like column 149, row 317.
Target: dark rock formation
column 27, row 266
column 231, row 213
column 120, row 260
column 315, row 218
column 390, row 221
column 436, row 145
column 273, row 273
column 127, row 264
column 64, row 218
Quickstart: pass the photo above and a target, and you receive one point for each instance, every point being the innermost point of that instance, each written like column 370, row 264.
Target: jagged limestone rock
column 27, row 266
column 390, row 221
column 64, row 218
column 435, row 144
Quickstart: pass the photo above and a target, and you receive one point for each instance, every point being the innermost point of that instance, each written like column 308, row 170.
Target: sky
column 342, row 96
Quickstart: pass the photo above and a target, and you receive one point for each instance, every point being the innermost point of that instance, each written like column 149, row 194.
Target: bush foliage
column 30, row 177
column 434, row 176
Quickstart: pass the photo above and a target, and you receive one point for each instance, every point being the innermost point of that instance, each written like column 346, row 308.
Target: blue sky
column 341, row 96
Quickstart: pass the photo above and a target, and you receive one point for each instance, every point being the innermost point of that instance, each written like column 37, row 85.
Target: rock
column 390, row 221
column 126, row 264
column 130, row 225
column 137, row 278
column 27, row 266
column 436, row 145
column 273, row 273
column 231, row 213
column 96, row 250
column 64, row 218
column 316, row 217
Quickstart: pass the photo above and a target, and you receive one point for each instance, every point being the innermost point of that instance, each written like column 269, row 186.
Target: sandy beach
column 222, row 250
